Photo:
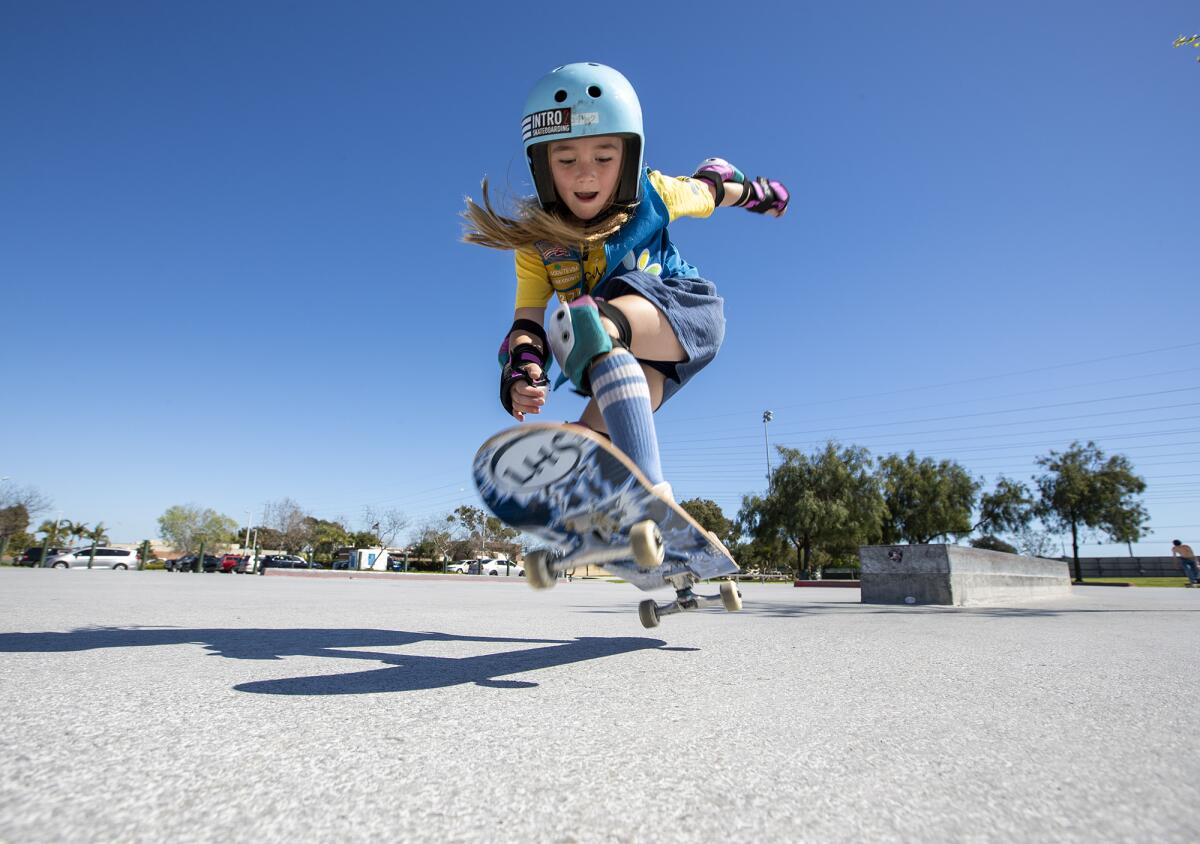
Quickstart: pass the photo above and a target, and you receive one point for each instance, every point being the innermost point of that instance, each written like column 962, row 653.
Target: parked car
column 286, row 561
column 501, row 567
column 104, row 558
column 459, row 566
column 33, row 556
column 188, row 563
column 236, row 563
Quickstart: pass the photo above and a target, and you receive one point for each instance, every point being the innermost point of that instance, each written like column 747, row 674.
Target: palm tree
column 74, row 530
column 54, row 529
column 97, row 534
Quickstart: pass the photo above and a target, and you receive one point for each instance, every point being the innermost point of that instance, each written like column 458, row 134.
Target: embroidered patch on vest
column 563, row 268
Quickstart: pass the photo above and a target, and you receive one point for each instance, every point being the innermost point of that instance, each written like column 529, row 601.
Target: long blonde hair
column 530, row 223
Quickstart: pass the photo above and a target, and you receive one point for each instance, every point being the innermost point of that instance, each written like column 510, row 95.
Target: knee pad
column 577, row 337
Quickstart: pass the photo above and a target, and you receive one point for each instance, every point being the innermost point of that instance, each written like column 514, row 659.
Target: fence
column 1126, row 566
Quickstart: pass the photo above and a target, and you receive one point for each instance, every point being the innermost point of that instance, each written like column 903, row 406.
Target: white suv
column 106, row 558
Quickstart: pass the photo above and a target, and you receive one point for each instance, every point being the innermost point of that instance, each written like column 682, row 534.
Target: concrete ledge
column 845, row 584
column 956, row 576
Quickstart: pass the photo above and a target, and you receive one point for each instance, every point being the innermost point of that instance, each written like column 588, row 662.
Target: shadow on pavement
column 403, row 672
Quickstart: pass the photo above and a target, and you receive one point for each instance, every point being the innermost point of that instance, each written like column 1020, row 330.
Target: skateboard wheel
column 730, row 596
column 648, row 613
column 537, row 569
column 647, row 542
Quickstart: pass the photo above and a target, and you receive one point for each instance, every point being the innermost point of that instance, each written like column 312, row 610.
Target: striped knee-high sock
column 620, row 389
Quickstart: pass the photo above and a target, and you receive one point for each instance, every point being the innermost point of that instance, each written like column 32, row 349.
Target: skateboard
column 587, row 500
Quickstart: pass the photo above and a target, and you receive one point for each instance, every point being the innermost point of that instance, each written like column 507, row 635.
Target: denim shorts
column 692, row 307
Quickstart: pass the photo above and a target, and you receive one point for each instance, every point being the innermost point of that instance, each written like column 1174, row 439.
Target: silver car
column 106, row 558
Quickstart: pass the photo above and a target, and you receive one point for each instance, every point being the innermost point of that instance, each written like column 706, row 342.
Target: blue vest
column 640, row 244
column 643, row 242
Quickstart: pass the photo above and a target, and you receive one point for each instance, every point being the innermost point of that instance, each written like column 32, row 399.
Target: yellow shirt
column 541, row 275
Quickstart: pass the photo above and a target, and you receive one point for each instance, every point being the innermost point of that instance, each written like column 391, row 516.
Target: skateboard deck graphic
column 582, row 496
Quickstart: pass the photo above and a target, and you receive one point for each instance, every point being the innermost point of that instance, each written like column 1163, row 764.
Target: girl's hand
column 527, row 398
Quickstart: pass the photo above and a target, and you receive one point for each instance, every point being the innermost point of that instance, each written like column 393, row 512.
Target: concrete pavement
column 146, row 706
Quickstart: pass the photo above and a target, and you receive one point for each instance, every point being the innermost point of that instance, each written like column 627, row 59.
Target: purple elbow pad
column 722, row 169
column 718, row 171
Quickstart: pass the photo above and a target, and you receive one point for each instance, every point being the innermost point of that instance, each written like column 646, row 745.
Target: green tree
column 365, row 539
column 926, row 499
column 461, row 549
column 435, row 539
column 13, row 522
column 51, row 529
column 1128, row 524
column 993, row 543
column 767, row 554
column 471, row 522
column 74, row 530
column 185, row 526
column 485, row 532
column 828, row 500
column 268, row 538
column 98, row 534
column 710, row 516
column 1081, row 488
column 499, row 536
column 1007, row 508
column 325, row 537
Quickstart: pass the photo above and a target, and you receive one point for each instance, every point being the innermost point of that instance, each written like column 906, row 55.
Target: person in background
column 1188, row 557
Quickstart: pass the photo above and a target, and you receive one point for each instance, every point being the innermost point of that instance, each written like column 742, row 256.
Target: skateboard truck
column 645, row 546
column 543, row 566
column 686, row 600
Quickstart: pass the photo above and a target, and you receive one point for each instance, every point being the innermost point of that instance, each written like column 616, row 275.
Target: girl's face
column 586, row 172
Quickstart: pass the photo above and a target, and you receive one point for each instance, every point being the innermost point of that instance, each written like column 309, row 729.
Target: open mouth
column 587, row 197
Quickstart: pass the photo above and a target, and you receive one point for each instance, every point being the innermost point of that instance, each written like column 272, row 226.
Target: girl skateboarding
column 635, row 321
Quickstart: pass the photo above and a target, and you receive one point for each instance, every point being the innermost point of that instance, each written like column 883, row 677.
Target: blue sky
column 230, row 267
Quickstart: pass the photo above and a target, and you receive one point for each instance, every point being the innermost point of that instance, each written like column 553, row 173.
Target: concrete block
column 957, row 576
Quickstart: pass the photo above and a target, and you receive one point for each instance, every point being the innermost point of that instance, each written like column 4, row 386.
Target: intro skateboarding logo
column 534, row 461
column 552, row 121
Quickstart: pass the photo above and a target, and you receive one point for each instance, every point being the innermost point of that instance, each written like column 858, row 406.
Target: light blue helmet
column 575, row 101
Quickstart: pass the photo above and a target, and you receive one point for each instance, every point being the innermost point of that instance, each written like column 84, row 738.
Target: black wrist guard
column 535, row 329
column 763, row 195
column 510, row 376
column 513, row 362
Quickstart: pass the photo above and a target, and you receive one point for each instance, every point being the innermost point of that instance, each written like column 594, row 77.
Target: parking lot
column 142, row 706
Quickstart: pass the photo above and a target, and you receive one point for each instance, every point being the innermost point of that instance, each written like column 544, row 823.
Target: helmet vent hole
column 560, row 95
column 593, row 91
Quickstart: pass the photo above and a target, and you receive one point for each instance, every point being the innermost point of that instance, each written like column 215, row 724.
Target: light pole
column 767, row 417
column 3, row 539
